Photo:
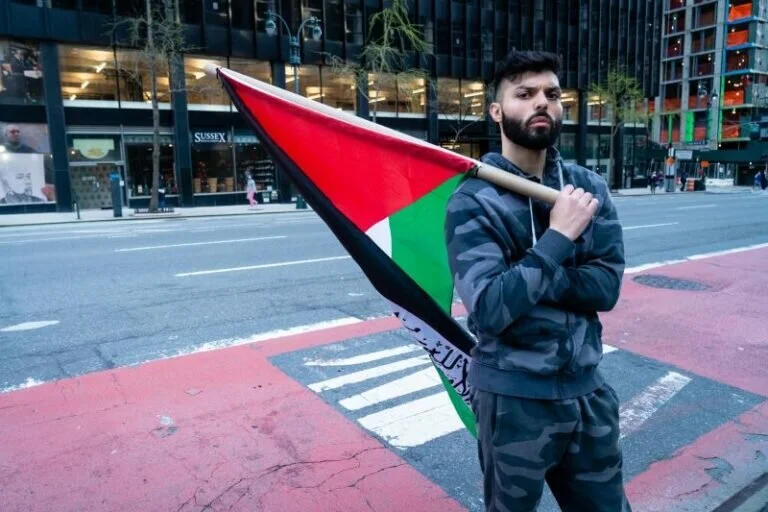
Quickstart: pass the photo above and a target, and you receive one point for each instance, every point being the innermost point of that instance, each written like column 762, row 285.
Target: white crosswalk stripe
column 425, row 418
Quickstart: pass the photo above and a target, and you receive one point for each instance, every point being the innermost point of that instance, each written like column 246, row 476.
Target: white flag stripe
column 637, row 411
column 365, row 358
column 415, row 423
column 418, row 381
column 371, row 373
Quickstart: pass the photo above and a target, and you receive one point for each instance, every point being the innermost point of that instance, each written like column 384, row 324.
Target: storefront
column 138, row 151
column 92, row 160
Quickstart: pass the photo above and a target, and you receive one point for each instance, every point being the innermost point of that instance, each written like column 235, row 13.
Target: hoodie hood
column 553, row 175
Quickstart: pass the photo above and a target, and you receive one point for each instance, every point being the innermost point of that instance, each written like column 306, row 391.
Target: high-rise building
column 76, row 99
column 713, row 102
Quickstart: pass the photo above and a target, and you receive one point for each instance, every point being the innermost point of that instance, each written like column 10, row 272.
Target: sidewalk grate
column 670, row 283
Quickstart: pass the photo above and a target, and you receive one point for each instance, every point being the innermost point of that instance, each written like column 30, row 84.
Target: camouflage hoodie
column 533, row 295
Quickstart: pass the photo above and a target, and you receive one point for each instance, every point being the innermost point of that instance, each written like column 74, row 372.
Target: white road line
column 646, row 226
column 52, row 239
column 371, row 373
column 257, row 267
column 194, row 244
column 418, row 381
column 695, row 257
column 269, row 335
column 365, row 358
column 29, row 326
column 637, row 411
column 607, row 349
column 696, row 207
column 415, row 423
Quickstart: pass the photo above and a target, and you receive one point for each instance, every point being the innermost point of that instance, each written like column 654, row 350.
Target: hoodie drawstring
column 530, row 201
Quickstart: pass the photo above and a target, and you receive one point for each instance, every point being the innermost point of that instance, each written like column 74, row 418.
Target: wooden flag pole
column 483, row 171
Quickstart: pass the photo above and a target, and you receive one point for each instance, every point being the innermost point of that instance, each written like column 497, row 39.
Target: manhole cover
column 670, row 283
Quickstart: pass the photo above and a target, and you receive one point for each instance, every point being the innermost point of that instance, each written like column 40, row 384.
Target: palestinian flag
column 384, row 196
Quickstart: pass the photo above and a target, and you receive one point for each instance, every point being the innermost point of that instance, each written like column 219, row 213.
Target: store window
column 138, row 159
column 448, row 97
column 21, row 74
column 203, row 90
column 382, row 93
column 26, row 168
column 212, row 161
column 88, row 76
column 339, row 89
column 216, row 12
column 309, row 81
column 472, row 98
column 570, row 101
column 135, row 80
column 411, row 96
column 254, row 68
column 567, row 146
column 251, row 156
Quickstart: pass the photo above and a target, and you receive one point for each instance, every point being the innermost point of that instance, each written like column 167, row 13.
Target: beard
column 522, row 134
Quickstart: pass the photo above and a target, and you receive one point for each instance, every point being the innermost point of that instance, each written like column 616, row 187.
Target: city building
column 75, row 107
column 713, row 101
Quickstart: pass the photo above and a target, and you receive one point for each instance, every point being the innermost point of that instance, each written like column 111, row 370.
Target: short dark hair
column 519, row 62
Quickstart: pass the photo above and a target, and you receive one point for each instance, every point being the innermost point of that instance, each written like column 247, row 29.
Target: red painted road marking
column 721, row 334
column 222, row 428
column 693, row 479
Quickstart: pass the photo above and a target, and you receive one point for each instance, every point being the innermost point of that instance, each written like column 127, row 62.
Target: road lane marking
column 647, row 226
column 633, row 414
column 194, row 244
column 29, row 326
column 372, row 373
column 29, row 383
column 257, row 267
column 364, row 358
column 696, row 207
column 418, row 381
column 415, row 423
column 695, row 257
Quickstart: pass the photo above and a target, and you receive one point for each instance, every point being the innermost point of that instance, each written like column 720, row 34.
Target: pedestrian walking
column 250, row 189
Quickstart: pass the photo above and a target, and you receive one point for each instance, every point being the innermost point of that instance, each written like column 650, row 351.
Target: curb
column 150, row 216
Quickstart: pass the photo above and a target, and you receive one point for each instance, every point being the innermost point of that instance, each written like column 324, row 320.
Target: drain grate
column 670, row 283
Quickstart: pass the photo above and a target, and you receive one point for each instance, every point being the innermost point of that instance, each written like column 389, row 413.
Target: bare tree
column 385, row 58
column 460, row 118
column 621, row 94
column 157, row 38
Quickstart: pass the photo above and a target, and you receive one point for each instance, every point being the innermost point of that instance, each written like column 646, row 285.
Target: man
column 13, row 144
column 533, row 278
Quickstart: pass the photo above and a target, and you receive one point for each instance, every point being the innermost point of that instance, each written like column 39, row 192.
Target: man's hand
column 572, row 212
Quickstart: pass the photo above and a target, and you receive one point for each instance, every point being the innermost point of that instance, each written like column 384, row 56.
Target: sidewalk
column 29, row 219
column 660, row 192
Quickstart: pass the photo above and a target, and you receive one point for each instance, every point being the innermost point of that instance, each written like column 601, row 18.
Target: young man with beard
column 533, row 278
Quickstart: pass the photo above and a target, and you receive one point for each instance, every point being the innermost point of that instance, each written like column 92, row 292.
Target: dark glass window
column 353, row 22
column 98, row 6
column 69, row 4
column 216, row 12
column 190, row 11
column 333, row 24
column 130, row 7
column 242, row 14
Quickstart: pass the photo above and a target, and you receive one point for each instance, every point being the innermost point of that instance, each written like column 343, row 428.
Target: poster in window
column 21, row 74
column 22, row 178
column 26, row 162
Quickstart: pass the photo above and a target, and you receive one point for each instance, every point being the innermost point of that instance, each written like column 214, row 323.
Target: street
column 82, row 298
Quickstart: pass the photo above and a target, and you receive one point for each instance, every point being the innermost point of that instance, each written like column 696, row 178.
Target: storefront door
column 91, row 186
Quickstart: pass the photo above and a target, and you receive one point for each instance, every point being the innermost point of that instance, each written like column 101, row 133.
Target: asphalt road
column 122, row 293
column 81, row 298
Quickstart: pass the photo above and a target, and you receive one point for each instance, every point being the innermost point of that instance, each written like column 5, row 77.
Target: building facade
column 75, row 107
column 713, row 101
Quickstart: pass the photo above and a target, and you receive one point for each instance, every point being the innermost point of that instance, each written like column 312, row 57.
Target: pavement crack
column 119, row 388
column 209, row 505
column 279, row 467
column 359, row 480
column 108, row 363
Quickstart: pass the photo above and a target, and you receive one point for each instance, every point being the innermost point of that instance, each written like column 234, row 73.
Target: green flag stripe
column 418, row 242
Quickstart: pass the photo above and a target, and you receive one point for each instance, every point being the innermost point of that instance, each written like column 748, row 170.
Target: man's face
column 13, row 134
column 529, row 110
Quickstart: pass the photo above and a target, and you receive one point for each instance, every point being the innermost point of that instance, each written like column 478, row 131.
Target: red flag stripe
column 367, row 171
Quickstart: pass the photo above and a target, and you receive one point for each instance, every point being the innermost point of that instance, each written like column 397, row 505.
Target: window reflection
column 203, row 90
column 87, row 74
column 134, row 75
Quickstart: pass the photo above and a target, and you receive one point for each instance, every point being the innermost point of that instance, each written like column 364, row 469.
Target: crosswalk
column 397, row 395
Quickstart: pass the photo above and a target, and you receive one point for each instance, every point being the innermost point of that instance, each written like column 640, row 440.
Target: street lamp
column 295, row 58
column 712, row 103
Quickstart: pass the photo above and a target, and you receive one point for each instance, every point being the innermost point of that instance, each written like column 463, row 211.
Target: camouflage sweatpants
column 573, row 444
